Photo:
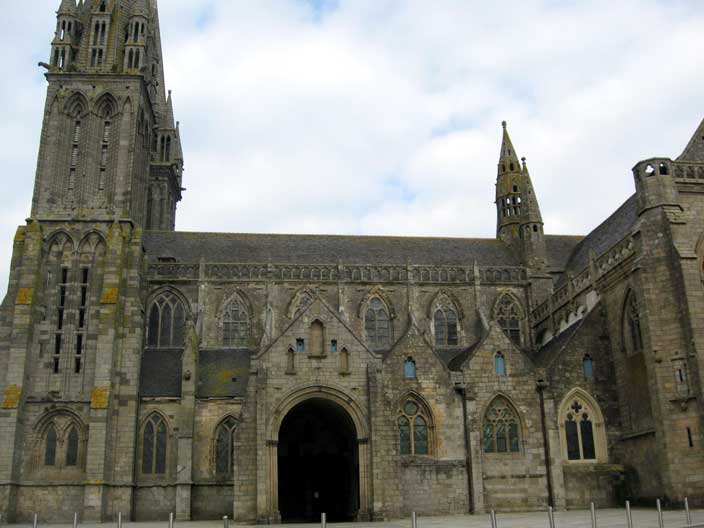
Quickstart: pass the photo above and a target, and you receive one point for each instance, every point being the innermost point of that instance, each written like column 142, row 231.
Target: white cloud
column 383, row 117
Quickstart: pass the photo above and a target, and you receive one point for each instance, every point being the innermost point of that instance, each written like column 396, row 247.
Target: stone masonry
column 272, row 377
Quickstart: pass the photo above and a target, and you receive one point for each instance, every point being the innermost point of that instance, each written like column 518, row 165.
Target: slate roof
column 326, row 249
column 559, row 248
column 608, row 233
column 552, row 348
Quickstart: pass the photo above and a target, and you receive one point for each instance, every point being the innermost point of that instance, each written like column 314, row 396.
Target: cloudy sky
column 383, row 116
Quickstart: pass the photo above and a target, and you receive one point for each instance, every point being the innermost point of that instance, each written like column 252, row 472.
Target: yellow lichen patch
column 24, row 296
column 20, row 234
column 12, row 397
column 109, row 296
column 100, row 398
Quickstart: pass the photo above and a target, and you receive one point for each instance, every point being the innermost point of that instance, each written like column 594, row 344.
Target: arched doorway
column 318, row 463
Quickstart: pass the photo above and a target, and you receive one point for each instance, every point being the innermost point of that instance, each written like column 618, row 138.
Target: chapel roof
column 326, row 249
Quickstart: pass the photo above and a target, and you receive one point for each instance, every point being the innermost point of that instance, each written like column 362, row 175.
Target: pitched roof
column 559, row 248
column 608, row 233
column 326, row 249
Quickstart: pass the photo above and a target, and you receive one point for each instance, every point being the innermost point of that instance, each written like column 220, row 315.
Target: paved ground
column 613, row 518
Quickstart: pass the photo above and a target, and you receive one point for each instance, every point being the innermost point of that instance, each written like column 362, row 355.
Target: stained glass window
column 500, row 430
column 413, row 430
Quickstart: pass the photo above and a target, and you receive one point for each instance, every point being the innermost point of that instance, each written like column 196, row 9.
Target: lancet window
column 377, row 325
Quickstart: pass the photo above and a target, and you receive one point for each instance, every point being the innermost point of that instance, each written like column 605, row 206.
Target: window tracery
column 582, row 429
column 413, row 427
column 167, row 322
column 154, row 446
column 235, row 325
column 224, row 447
column 377, row 325
column 509, row 316
column 60, row 442
column 501, row 428
column 445, row 322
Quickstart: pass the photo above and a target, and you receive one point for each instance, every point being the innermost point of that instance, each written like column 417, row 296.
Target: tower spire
column 519, row 222
column 694, row 151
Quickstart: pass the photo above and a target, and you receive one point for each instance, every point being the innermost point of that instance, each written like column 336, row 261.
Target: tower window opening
column 535, row 229
column 96, row 33
column 103, row 7
column 690, row 440
column 56, row 57
column 130, row 59
column 62, row 33
column 136, row 59
column 100, row 57
column 70, row 26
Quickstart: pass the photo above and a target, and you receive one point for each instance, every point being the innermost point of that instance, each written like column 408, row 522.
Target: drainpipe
column 542, row 385
column 467, row 449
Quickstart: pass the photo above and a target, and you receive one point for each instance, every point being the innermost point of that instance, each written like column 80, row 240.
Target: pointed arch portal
column 318, row 463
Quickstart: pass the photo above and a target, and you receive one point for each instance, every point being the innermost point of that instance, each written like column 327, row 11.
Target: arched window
column 409, row 368
column 635, row 390
column 50, row 446
column 377, row 325
column 509, row 316
column 445, row 322
column 72, row 448
column 588, row 367
column 167, row 321
column 632, row 329
column 224, row 447
column 235, row 325
column 154, row 444
column 501, row 431
column 413, row 427
column 500, row 364
column 582, row 428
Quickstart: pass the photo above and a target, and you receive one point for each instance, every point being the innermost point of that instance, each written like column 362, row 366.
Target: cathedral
column 271, row 378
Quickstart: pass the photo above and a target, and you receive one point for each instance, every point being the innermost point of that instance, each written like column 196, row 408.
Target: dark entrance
column 318, row 463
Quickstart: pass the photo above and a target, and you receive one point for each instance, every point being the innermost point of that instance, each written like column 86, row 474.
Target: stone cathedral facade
column 275, row 377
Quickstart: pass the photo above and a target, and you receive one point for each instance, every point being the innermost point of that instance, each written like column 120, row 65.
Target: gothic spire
column 694, row 151
column 67, row 7
column 169, row 114
column 508, row 159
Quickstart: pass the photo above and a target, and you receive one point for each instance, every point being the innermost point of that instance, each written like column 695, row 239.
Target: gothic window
column 445, row 322
column 72, row 448
column 50, row 447
column 588, row 367
column 75, row 143
column 501, row 428
column 224, row 447
column 509, row 316
column 235, row 325
column 154, row 444
column 413, row 428
column 500, row 364
column 582, row 428
column 409, row 368
column 633, row 334
column 167, row 321
column 377, row 325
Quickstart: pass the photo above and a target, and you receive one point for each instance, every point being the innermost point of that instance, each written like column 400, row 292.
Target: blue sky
column 384, row 116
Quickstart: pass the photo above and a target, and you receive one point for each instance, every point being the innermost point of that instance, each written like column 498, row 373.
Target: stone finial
column 504, row 124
